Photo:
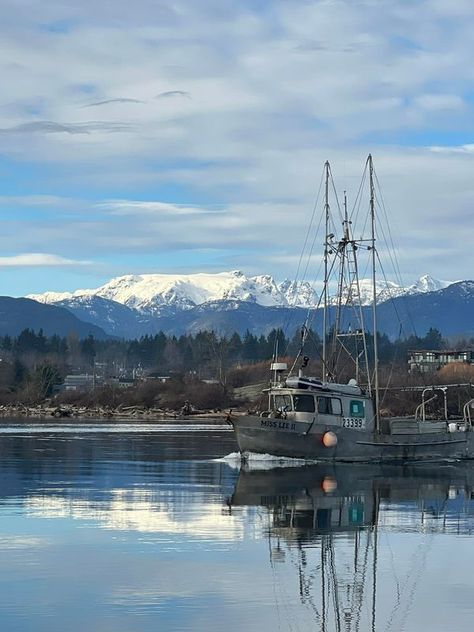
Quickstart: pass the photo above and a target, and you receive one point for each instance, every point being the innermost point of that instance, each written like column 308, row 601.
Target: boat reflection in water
column 328, row 522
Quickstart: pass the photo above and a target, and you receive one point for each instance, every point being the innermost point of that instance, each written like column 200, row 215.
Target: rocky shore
column 120, row 413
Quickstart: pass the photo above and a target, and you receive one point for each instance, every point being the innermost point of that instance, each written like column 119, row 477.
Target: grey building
column 425, row 360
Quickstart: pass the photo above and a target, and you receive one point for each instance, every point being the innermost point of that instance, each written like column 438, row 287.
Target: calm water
column 131, row 529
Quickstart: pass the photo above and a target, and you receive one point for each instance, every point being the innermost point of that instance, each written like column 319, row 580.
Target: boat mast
column 374, row 293
column 326, row 253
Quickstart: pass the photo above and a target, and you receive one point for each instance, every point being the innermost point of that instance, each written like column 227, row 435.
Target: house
column 122, row 382
column 82, row 382
column 425, row 360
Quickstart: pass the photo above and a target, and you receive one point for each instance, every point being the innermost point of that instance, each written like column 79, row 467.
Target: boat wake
column 233, row 460
column 253, row 461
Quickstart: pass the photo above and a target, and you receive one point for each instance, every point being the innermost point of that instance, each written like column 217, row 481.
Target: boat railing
column 421, row 408
column 467, row 411
column 420, row 412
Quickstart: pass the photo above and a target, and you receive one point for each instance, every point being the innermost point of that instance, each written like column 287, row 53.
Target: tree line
column 34, row 363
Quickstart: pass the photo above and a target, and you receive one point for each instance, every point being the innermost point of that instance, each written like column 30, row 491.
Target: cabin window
column 329, row 406
column 336, row 406
column 303, row 403
column 356, row 408
column 282, row 402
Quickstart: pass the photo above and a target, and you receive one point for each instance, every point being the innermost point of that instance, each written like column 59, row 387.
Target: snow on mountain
column 150, row 293
column 299, row 293
column 385, row 291
column 426, row 283
column 390, row 290
column 56, row 297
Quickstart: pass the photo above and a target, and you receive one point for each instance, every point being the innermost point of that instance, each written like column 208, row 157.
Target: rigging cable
column 290, row 315
column 396, row 268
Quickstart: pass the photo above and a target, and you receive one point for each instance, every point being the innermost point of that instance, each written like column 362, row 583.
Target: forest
column 203, row 367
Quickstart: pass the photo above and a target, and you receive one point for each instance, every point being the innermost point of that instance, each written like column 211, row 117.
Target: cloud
column 134, row 207
column 263, row 236
column 51, row 127
column 170, row 94
column 458, row 149
column 38, row 259
column 277, row 88
column 108, row 101
column 440, row 102
column 46, row 127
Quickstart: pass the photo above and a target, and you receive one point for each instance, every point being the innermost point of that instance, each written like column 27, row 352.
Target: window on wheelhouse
column 282, row 402
column 329, row 406
column 356, row 408
column 304, row 403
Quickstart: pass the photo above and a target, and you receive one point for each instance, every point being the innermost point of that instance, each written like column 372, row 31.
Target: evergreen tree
column 250, row 347
column 433, row 339
column 87, row 348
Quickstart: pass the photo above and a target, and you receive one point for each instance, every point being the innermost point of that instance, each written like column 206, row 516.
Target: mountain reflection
column 156, row 527
column 325, row 524
column 129, row 481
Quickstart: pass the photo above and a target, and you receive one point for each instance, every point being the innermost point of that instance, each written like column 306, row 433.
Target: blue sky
column 187, row 136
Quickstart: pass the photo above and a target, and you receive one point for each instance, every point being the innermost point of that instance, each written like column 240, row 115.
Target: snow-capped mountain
column 426, row 283
column 390, row 290
column 151, row 293
column 299, row 293
column 132, row 306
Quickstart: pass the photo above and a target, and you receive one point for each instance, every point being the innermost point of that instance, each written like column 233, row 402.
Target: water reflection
column 145, row 530
column 330, row 527
column 144, row 481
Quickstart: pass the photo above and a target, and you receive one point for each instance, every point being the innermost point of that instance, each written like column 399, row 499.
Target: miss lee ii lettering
column 277, row 424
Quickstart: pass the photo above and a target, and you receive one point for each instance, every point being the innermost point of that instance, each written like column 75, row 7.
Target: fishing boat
column 326, row 419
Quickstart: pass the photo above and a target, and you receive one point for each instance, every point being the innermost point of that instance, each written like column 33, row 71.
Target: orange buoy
column 329, row 439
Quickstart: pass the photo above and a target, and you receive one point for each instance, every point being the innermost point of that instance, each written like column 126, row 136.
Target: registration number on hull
column 353, row 422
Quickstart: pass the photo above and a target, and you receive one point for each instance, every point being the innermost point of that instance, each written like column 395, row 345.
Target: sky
column 184, row 136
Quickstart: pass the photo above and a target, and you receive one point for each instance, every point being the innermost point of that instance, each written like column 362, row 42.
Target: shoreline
column 124, row 415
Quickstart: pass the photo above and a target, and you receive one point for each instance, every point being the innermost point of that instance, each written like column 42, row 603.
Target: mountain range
column 134, row 305
column 152, row 293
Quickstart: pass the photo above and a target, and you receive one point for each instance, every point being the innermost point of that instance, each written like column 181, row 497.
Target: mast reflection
column 326, row 522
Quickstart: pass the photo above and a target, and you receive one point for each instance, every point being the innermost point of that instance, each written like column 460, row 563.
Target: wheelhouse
column 327, row 404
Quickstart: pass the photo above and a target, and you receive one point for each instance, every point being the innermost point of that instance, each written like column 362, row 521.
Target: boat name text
column 279, row 425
